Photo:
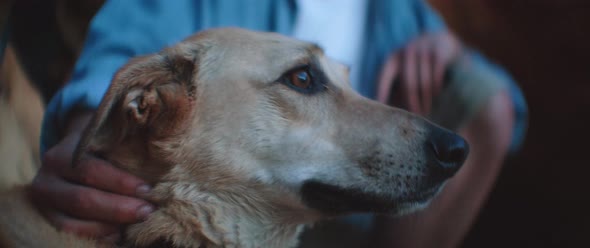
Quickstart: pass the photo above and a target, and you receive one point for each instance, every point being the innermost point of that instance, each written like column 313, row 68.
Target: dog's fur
column 21, row 110
column 240, row 157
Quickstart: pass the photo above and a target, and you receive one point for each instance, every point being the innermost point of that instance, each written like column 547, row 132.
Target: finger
column 92, row 171
column 90, row 229
column 99, row 174
column 387, row 77
column 439, row 68
column 410, row 79
column 448, row 50
column 91, row 204
column 424, row 54
column 59, row 157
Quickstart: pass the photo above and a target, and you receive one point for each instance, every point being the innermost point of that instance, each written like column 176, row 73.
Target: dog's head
column 230, row 110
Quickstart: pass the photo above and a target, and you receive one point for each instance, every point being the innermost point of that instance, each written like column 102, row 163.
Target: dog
column 21, row 111
column 247, row 137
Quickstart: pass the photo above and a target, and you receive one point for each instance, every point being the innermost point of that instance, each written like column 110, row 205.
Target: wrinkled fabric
column 125, row 29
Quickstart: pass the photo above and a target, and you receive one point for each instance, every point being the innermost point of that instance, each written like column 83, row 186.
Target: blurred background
column 542, row 197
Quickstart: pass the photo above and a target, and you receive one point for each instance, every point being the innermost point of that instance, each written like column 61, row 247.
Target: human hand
column 420, row 67
column 93, row 199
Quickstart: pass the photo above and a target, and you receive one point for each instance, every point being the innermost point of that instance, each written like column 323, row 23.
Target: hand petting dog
column 93, row 199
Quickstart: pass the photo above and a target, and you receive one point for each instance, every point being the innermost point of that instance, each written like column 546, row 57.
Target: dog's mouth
column 424, row 196
column 335, row 200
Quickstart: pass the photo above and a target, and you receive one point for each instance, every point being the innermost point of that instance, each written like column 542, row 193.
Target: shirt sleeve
column 119, row 31
column 411, row 18
column 428, row 19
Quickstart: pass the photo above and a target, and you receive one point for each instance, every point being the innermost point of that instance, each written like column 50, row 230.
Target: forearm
column 446, row 221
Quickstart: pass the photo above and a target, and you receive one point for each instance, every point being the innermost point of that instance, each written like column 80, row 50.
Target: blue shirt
column 129, row 28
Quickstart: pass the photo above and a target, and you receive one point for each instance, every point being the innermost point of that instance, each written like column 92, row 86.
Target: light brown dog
column 21, row 111
column 246, row 137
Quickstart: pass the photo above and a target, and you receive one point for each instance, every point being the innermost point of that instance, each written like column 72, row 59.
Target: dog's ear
column 149, row 99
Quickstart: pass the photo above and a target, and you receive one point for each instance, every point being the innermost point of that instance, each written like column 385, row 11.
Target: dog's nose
column 449, row 150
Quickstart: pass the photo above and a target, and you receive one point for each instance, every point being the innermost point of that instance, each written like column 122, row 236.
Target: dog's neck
column 192, row 217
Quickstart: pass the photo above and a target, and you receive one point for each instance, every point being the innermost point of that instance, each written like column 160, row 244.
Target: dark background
column 542, row 197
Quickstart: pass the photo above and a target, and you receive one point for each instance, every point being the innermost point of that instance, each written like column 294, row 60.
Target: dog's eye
column 300, row 79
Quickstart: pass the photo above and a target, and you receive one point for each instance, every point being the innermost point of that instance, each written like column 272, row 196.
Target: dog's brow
column 314, row 48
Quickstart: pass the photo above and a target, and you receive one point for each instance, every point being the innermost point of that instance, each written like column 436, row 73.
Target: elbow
column 490, row 132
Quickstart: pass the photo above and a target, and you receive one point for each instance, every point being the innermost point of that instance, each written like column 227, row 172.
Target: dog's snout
column 449, row 151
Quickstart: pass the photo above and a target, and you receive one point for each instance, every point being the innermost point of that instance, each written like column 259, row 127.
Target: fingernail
column 111, row 239
column 144, row 211
column 143, row 190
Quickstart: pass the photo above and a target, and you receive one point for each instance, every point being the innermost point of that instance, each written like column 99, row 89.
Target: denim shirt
column 125, row 29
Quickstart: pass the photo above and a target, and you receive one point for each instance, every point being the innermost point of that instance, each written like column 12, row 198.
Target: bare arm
column 446, row 221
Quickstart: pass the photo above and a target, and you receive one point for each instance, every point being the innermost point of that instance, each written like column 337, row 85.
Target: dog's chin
column 416, row 203
column 333, row 200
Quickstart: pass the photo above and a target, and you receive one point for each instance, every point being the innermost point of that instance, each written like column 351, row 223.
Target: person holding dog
column 400, row 52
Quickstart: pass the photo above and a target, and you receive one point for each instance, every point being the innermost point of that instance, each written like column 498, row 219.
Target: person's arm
column 447, row 220
column 420, row 67
column 95, row 199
